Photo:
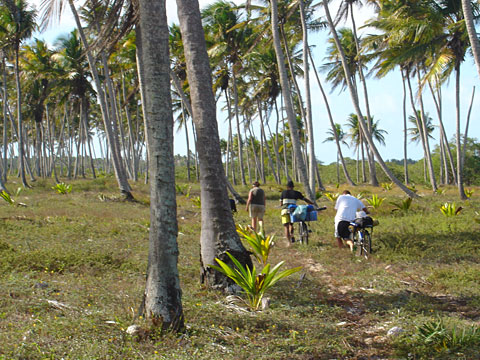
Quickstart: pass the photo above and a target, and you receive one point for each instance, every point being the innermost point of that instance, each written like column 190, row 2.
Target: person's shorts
column 285, row 216
column 257, row 211
column 342, row 230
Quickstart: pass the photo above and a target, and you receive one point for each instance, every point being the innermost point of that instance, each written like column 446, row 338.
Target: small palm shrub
column 332, row 197
column 254, row 284
column 387, row 186
column 450, row 209
column 259, row 243
column 62, row 188
column 403, row 205
column 469, row 193
column 440, row 191
column 375, row 201
column 7, row 197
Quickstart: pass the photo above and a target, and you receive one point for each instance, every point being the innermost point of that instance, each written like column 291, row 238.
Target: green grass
column 72, row 273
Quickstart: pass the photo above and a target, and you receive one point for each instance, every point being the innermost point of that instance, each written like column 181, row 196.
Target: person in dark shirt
column 256, row 205
column 290, row 197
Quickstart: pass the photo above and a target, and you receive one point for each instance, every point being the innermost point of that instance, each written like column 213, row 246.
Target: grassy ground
column 72, row 272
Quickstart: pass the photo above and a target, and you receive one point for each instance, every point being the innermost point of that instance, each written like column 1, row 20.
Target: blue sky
column 385, row 96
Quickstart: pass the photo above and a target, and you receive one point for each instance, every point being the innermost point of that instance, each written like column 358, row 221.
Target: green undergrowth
column 72, row 275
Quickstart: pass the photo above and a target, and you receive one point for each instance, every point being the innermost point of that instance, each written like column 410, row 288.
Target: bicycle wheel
column 303, row 232
column 364, row 246
column 358, row 241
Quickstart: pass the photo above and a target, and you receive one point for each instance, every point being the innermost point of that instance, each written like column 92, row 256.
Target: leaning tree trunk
column 405, row 137
column 19, row 123
column 332, row 124
column 292, row 120
column 312, row 162
column 425, row 136
column 239, row 133
column 218, row 234
column 5, row 121
column 163, row 303
column 438, row 107
column 472, row 33
column 117, row 162
column 461, row 191
column 357, row 108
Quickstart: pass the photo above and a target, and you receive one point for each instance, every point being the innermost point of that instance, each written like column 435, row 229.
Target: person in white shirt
column 347, row 207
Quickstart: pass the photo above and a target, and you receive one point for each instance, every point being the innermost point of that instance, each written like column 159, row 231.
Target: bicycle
column 303, row 229
column 362, row 237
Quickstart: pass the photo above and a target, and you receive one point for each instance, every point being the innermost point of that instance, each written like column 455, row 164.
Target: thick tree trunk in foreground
column 218, row 233
column 162, row 293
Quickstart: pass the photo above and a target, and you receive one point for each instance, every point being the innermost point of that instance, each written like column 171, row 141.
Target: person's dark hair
column 256, row 183
column 290, row 184
column 346, row 192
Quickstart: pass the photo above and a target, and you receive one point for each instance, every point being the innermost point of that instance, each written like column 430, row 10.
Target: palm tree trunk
column 472, row 33
column 425, row 135
column 5, row 121
column 117, row 165
column 21, row 152
column 461, row 191
column 288, row 103
column 332, row 124
column 162, row 297
column 239, row 133
column 465, row 136
column 438, row 107
column 218, row 234
column 312, row 162
column 405, row 135
column 358, row 111
column 371, row 159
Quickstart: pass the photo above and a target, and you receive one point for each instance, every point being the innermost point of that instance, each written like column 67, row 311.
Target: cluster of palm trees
column 123, row 74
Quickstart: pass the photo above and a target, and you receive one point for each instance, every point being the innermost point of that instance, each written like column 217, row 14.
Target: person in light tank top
column 256, row 206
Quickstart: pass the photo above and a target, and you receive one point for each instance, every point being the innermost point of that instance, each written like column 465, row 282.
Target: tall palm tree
column 74, row 78
column 54, row 7
column 292, row 122
column 163, row 303
column 339, row 135
column 472, row 33
column 218, row 234
column 222, row 20
column 18, row 24
column 346, row 9
column 355, row 103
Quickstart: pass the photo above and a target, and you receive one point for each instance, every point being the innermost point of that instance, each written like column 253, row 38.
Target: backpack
column 300, row 213
column 364, row 222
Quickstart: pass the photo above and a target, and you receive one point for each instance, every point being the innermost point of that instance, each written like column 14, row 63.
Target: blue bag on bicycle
column 299, row 214
column 311, row 213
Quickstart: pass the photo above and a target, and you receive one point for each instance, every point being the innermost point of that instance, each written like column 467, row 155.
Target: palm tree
column 472, row 33
column 38, row 75
column 18, row 22
column 54, row 7
column 340, row 136
column 218, row 233
column 416, row 133
column 222, row 21
column 346, row 8
column 74, row 78
column 292, row 122
column 355, row 103
column 163, row 303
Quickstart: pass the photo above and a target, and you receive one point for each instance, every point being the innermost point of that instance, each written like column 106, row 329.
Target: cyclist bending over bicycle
column 346, row 206
column 290, row 197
